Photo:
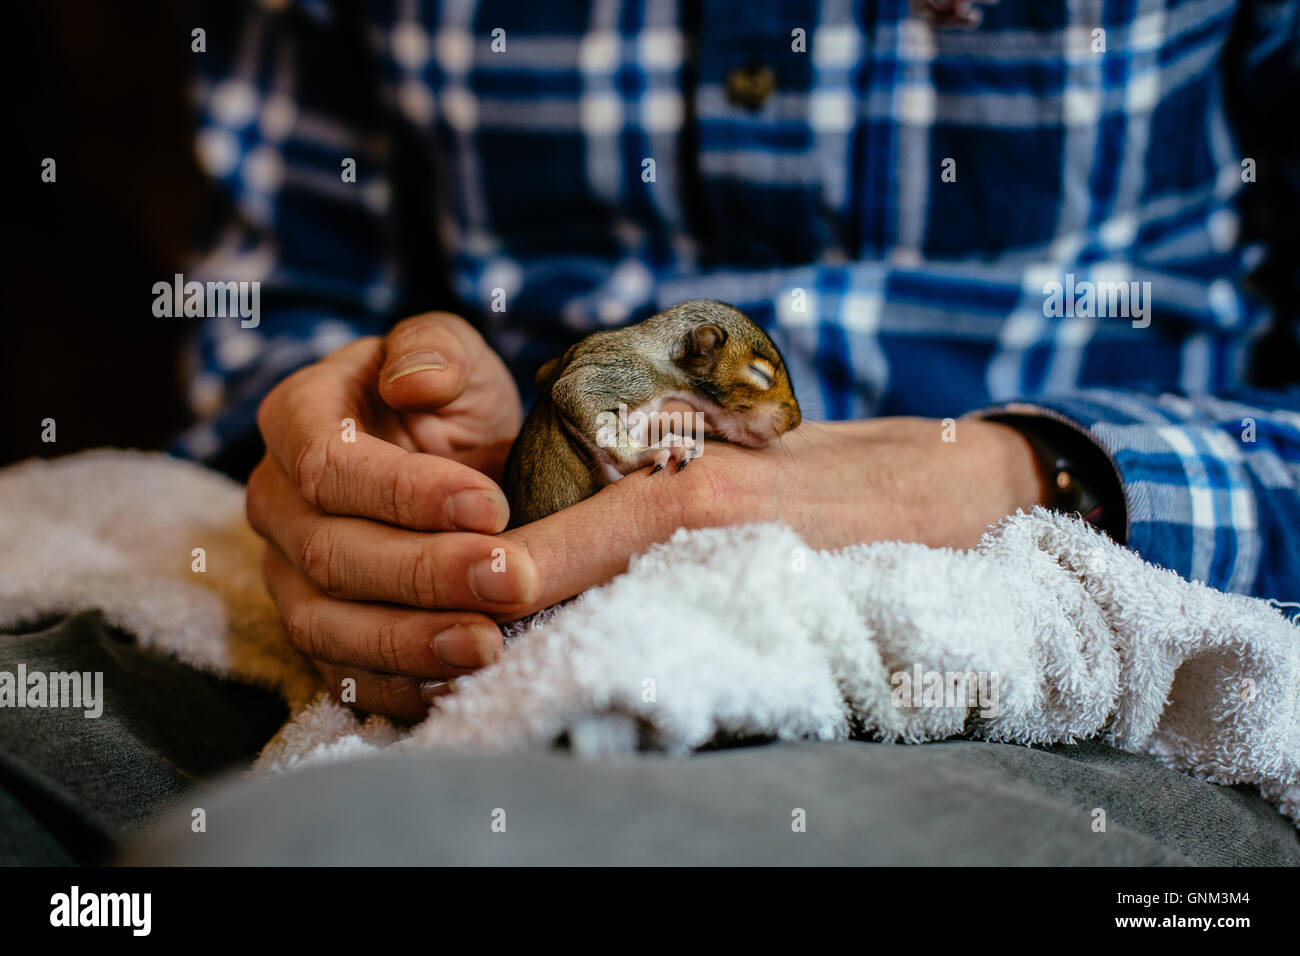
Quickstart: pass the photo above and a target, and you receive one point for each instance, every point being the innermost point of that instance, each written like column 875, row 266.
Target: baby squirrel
column 585, row 432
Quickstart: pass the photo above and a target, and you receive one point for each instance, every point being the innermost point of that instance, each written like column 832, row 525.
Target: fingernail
column 474, row 509
column 421, row 360
column 431, row 690
column 467, row 645
column 505, row 579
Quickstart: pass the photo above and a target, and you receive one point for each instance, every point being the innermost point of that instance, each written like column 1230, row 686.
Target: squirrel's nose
column 792, row 418
column 782, row 419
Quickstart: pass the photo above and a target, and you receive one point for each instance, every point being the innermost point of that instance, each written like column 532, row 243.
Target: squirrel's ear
column 552, row 369
column 548, row 371
column 700, row 348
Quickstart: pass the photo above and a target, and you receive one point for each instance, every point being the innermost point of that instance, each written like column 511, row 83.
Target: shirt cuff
column 1189, row 504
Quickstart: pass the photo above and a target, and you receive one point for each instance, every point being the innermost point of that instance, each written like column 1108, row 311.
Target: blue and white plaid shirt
column 891, row 197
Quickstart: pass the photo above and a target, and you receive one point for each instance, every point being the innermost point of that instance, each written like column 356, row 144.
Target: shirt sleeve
column 1211, row 485
column 291, row 136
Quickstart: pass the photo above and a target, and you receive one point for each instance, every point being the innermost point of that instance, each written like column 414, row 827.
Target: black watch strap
column 1080, row 477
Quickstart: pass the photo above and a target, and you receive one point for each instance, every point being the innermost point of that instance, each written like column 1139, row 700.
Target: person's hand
column 835, row 483
column 368, row 450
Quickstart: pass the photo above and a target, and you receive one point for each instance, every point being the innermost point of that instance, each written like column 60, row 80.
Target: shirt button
column 749, row 86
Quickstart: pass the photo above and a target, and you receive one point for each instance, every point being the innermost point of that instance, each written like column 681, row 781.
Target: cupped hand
column 369, row 450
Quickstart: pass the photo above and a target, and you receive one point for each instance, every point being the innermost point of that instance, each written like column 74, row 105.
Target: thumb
column 593, row 541
column 427, row 361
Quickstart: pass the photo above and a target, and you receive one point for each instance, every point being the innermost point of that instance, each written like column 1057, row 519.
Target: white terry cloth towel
column 1048, row 631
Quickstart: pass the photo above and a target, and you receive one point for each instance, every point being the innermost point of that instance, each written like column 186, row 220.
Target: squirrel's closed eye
column 760, row 373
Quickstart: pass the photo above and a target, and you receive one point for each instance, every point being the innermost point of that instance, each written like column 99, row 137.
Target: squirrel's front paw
column 670, row 449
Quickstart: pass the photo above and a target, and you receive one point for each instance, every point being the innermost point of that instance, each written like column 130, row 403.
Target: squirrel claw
column 684, row 462
column 674, row 449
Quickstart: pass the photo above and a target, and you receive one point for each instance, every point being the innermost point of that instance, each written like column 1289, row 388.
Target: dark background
column 102, row 91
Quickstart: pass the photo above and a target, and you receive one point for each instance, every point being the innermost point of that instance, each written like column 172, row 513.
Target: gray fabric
column 950, row 803
column 75, row 789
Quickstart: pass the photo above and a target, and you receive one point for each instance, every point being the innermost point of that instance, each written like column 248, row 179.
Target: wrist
column 1022, row 479
column 1080, row 478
